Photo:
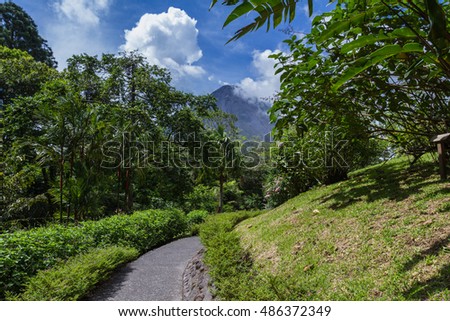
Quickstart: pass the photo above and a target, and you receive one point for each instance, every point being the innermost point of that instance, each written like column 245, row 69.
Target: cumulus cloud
column 265, row 85
column 84, row 12
column 76, row 29
column 168, row 39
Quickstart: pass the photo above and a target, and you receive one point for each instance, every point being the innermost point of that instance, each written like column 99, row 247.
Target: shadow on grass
column 389, row 181
column 434, row 249
column 425, row 289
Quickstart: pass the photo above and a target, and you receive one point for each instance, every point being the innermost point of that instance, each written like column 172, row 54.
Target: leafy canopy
column 19, row 31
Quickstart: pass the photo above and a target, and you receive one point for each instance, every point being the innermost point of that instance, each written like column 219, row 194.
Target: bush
column 142, row 230
column 24, row 253
column 232, row 197
column 194, row 219
column 253, row 202
column 202, row 198
column 305, row 160
column 73, row 279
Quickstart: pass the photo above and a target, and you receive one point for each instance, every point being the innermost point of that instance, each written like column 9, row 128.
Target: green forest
column 108, row 153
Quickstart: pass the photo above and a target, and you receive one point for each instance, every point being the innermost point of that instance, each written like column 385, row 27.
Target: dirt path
column 155, row 276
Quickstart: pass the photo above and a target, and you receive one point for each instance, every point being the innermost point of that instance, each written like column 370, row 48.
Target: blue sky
column 183, row 36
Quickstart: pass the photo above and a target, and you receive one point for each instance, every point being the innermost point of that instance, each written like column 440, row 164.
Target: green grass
column 384, row 234
column 71, row 280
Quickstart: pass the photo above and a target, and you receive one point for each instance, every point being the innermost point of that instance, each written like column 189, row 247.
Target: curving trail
column 155, row 276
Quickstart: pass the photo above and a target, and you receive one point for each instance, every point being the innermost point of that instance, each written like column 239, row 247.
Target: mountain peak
column 230, row 89
column 251, row 113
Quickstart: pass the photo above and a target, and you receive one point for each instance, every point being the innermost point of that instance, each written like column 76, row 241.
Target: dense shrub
column 317, row 157
column 71, row 280
column 202, row 197
column 194, row 219
column 24, row 253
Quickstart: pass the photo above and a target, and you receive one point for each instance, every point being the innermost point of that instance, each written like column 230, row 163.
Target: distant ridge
column 253, row 120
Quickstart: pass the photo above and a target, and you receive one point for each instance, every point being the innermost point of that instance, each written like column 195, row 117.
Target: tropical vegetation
column 105, row 160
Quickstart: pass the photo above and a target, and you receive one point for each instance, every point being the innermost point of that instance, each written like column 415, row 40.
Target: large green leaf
column 310, row 7
column 438, row 33
column 373, row 59
column 386, row 51
column 344, row 25
column 276, row 11
column 406, row 33
column 239, row 11
column 413, row 47
column 363, row 41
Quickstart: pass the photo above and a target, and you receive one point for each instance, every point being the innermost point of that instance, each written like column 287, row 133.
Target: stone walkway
column 155, row 276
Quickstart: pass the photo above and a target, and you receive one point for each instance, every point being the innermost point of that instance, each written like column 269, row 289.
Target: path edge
column 196, row 280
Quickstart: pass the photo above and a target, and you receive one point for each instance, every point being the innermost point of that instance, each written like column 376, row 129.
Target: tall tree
column 19, row 31
column 222, row 157
column 20, row 74
column 25, row 182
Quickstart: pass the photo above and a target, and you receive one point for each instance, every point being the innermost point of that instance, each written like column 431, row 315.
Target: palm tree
column 228, row 162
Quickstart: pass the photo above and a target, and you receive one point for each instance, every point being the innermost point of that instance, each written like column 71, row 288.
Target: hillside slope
column 382, row 235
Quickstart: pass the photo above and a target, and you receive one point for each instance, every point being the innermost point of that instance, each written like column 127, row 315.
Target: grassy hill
column 384, row 234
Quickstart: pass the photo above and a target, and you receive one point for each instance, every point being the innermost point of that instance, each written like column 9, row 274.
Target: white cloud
column 83, row 12
column 168, row 39
column 266, row 83
column 76, row 29
column 68, row 40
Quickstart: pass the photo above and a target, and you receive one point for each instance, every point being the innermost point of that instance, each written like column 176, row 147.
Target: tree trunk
column 130, row 191
column 221, row 182
column 130, row 168
column 61, row 172
column 47, row 186
column 127, row 189
column 71, row 175
column 118, row 187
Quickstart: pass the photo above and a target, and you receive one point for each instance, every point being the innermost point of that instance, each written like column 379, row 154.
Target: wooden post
column 441, row 140
column 442, row 160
